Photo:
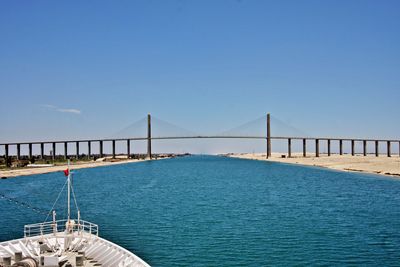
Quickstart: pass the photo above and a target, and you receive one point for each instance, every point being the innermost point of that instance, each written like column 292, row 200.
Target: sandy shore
column 74, row 166
column 370, row 164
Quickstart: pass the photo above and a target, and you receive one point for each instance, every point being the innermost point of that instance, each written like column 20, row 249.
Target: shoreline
column 6, row 174
column 386, row 166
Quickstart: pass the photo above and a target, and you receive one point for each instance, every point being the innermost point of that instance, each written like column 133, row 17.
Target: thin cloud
column 69, row 110
column 63, row 110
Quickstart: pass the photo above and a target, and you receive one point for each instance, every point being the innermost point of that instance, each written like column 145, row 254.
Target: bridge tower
column 148, row 136
column 268, row 135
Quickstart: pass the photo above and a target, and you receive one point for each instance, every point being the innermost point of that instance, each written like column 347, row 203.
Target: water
column 212, row 211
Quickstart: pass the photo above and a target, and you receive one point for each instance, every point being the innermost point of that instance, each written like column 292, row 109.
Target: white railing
column 59, row 226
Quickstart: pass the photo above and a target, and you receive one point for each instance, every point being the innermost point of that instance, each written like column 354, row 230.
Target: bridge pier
column 54, row 151
column 65, row 150
column 304, row 148
column 328, row 143
column 113, row 149
column 352, row 148
column 101, row 148
column 341, row 147
column 128, row 148
column 77, row 150
column 148, row 136
column 365, row 147
column 388, row 149
column 30, row 152
column 289, row 148
column 268, row 135
column 18, row 151
column 6, row 155
column 89, row 148
column 41, row 150
column 317, row 147
column 376, row 148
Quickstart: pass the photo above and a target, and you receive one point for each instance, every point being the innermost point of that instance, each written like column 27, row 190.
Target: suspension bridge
column 131, row 134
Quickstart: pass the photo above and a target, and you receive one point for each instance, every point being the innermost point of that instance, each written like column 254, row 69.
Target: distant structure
column 7, row 159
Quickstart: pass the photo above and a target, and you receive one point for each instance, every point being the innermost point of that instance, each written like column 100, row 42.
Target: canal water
column 215, row 211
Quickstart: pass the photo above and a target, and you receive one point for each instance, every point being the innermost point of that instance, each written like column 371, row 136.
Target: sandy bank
column 75, row 165
column 370, row 164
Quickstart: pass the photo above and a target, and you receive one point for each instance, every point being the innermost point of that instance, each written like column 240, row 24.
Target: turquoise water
column 214, row 211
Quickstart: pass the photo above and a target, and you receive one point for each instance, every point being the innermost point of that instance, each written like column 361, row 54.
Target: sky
column 87, row 69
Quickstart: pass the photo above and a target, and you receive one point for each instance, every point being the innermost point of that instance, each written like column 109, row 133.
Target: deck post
column 128, row 148
column 113, row 149
column 341, row 147
column 41, row 150
column 376, row 148
column 77, row 150
column 388, row 149
column 65, row 150
column 6, row 156
column 89, row 149
column 101, row 148
column 18, row 151
column 329, row 146
column 268, row 135
column 317, row 147
column 304, row 147
column 352, row 147
column 54, row 151
column 289, row 147
column 30, row 152
column 365, row 147
column 148, row 136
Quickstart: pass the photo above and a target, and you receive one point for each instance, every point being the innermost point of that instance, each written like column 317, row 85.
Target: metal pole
column 268, row 135
column 101, row 148
column 89, row 149
column 6, row 155
column 18, row 151
column 30, row 151
column 42, row 150
column 376, row 148
column 54, row 151
column 304, row 147
column 148, row 136
column 289, row 148
column 317, row 147
column 65, row 150
column 77, row 150
column 388, row 149
column 352, row 147
column 341, row 147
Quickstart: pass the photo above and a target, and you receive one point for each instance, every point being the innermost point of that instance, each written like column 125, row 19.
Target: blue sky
column 81, row 69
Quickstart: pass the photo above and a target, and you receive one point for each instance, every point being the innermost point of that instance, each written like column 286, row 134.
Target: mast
column 69, row 194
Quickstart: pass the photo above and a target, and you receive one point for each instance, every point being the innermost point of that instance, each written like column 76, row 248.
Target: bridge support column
column 304, row 148
column 328, row 143
column 113, row 149
column 388, row 149
column 376, row 148
column 289, row 148
column 341, row 147
column 6, row 156
column 148, row 136
column 268, row 135
column 54, row 151
column 42, row 150
column 89, row 149
column 101, row 148
column 18, row 151
column 65, row 150
column 352, row 148
column 365, row 147
column 317, row 147
column 77, row 150
column 128, row 148
column 30, row 152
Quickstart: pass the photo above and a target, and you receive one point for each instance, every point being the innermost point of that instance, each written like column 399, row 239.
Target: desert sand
column 378, row 165
column 56, row 168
